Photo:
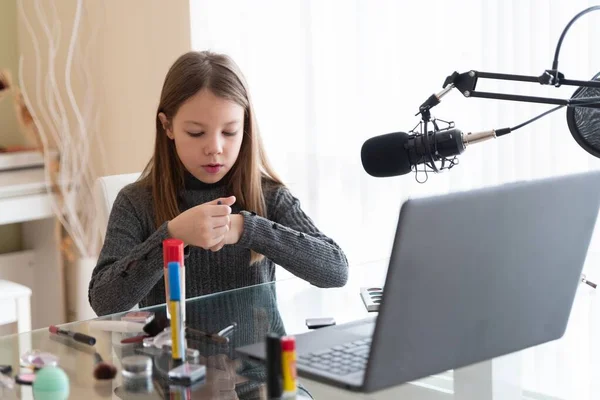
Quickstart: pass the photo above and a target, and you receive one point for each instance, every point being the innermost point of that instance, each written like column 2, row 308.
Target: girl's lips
column 212, row 168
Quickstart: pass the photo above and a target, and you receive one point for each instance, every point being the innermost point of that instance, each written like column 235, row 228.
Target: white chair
column 15, row 305
column 106, row 190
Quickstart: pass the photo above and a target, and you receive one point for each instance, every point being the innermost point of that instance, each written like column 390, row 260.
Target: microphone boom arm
column 466, row 83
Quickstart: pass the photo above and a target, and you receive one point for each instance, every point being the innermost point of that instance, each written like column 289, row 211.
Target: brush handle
column 134, row 339
column 83, row 338
column 116, row 326
column 79, row 337
column 213, row 336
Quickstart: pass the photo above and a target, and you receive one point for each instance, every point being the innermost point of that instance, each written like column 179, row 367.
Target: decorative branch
column 62, row 127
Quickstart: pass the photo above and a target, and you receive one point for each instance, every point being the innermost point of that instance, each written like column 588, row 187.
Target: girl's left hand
column 236, row 227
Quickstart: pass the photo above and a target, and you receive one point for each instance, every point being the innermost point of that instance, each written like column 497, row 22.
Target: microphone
column 398, row 153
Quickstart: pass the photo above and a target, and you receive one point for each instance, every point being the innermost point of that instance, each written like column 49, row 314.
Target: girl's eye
column 196, row 134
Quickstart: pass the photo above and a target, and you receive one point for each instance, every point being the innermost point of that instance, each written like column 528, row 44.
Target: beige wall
column 140, row 45
column 10, row 235
column 9, row 130
column 138, row 41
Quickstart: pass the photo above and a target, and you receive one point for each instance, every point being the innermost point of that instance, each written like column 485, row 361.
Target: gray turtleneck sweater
column 130, row 266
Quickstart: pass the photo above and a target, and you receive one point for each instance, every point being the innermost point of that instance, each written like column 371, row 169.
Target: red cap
column 288, row 343
column 172, row 251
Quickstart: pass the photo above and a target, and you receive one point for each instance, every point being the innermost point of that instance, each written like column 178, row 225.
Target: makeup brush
column 152, row 328
column 157, row 325
column 191, row 332
column 103, row 370
column 79, row 337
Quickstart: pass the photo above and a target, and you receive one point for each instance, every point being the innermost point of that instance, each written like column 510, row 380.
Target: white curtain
column 327, row 75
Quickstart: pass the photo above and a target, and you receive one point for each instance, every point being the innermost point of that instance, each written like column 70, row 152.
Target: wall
column 9, row 134
column 136, row 44
column 140, row 44
column 10, row 235
column 137, row 41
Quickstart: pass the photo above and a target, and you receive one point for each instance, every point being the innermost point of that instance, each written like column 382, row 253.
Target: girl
column 209, row 184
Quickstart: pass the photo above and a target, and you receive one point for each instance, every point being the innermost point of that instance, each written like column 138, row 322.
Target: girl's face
column 208, row 132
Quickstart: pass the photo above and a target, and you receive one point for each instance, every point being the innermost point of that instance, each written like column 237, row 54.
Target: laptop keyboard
column 339, row 360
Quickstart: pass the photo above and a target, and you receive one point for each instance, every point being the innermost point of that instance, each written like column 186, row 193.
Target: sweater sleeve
column 130, row 263
column 292, row 240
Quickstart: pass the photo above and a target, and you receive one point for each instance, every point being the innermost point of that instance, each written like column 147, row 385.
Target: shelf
column 20, row 159
column 22, row 182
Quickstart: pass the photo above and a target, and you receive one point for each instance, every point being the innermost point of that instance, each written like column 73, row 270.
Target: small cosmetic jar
column 136, row 366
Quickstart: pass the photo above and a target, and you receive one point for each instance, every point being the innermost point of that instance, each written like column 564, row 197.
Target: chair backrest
column 106, row 190
column 15, row 305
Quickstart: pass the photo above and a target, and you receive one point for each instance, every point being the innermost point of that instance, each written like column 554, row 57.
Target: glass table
column 282, row 306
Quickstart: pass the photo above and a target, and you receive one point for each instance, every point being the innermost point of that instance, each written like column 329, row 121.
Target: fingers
column 211, row 236
column 218, row 211
column 220, row 231
column 220, row 221
column 214, row 222
column 214, row 242
column 219, row 245
column 228, row 201
column 218, row 207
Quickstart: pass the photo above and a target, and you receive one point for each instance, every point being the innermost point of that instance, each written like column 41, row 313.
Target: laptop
column 472, row 276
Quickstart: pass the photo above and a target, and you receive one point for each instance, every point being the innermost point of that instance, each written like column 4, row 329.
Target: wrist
column 237, row 226
column 172, row 229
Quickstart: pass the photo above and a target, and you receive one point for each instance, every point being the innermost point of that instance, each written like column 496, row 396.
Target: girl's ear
column 166, row 125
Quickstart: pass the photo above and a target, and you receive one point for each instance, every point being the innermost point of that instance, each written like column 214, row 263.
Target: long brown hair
column 164, row 173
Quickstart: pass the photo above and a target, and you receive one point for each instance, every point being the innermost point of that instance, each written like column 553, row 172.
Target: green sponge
column 51, row 383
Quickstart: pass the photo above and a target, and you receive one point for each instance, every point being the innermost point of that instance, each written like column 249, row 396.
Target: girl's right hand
column 204, row 225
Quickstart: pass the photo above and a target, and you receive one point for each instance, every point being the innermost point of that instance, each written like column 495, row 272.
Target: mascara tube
column 274, row 383
column 175, row 308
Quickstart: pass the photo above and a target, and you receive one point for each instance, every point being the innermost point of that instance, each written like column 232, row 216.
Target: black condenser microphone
column 397, row 153
column 386, row 155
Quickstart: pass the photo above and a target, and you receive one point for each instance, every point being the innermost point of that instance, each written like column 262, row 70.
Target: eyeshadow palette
column 372, row 297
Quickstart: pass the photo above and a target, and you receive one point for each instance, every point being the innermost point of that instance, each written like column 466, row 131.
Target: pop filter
column 584, row 122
